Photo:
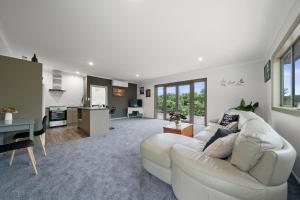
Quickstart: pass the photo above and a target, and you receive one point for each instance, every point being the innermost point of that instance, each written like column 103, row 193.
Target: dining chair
column 38, row 134
column 24, row 144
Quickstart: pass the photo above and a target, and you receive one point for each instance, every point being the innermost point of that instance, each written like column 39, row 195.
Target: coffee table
column 182, row 129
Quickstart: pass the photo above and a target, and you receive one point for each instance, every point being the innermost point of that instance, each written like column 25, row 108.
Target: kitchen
column 75, row 103
column 66, row 98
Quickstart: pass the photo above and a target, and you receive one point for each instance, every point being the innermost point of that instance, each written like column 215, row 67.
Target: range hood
column 56, row 81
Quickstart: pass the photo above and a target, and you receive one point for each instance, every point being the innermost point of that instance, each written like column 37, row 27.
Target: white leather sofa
column 179, row 161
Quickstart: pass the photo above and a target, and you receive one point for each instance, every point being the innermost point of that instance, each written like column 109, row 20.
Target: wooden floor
column 63, row 134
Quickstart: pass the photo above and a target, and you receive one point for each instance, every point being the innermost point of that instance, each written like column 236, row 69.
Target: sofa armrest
column 207, row 132
column 214, row 173
column 215, row 120
column 275, row 166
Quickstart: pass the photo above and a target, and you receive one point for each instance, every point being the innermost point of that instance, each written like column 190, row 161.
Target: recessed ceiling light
column 77, row 72
column 200, row 59
column 91, row 63
column 137, row 75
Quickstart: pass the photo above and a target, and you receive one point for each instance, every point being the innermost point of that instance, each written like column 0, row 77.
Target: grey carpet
column 106, row 167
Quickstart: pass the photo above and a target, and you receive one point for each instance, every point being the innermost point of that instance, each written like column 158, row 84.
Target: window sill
column 290, row 111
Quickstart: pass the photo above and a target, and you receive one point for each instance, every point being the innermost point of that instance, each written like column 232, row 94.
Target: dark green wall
column 121, row 103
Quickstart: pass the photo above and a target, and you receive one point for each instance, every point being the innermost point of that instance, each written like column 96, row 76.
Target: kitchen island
column 93, row 121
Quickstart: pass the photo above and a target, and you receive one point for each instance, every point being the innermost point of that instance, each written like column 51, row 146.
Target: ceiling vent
column 56, row 81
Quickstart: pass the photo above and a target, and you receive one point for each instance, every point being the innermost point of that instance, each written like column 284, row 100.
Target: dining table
column 16, row 125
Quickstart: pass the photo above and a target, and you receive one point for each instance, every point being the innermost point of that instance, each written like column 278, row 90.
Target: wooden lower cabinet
column 72, row 115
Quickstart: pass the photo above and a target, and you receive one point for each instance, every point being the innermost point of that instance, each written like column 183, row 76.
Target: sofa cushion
column 157, row 147
column 255, row 138
column 221, row 132
column 208, row 132
column 217, row 174
column 222, row 147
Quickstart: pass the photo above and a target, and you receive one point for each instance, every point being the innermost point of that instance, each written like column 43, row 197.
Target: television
column 135, row 103
column 140, row 103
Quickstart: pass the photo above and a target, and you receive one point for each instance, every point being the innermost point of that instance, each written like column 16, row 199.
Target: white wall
column 4, row 47
column 73, row 85
column 284, row 124
column 219, row 98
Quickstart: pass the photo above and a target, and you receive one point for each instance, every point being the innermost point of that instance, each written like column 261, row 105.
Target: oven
column 57, row 116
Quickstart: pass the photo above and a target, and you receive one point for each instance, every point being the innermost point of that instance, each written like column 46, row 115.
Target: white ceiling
column 152, row 38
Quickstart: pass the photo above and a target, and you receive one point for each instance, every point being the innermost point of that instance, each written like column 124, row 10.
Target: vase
column 34, row 58
column 8, row 117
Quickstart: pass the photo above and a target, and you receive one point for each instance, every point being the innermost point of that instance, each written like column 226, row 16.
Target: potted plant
column 8, row 111
column 176, row 117
column 248, row 107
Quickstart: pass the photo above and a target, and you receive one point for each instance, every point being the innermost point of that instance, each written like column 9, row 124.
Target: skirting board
column 118, row 118
column 296, row 177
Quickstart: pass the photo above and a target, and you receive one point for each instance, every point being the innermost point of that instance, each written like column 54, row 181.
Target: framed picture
column 148, row 93
column 142, row 90
column 119, row 92
column 267, row 71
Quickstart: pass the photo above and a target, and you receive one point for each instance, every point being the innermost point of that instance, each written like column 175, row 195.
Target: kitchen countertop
column 65, row 106
column 84, row 108
column 90, row 108
column 74, row 106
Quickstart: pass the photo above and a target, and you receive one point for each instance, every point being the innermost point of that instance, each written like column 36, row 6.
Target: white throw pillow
column 222, row 147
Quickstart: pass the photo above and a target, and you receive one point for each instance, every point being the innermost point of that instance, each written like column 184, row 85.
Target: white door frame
column 91, row 94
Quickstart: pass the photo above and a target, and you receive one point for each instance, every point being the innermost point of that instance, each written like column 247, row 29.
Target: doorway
column 98, row 95
column 187, row 97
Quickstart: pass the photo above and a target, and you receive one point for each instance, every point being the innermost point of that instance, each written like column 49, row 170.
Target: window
column 199, row 102
column 160, row 102
column 290, row 76
column 286, row 77
column 184, row 100
column 297, row 72
column 186, row 97
column 170, row 100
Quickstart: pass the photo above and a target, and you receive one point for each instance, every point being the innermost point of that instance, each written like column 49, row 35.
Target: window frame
column 288, row 51
column 287, row 41
column 177, row 84
column 294, row 72
column 293, row 76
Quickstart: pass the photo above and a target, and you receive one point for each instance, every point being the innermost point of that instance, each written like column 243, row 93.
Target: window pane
column 184, row 100
column 199, row 102
column 297, row 72
column 170, row 100
column 286, row 68
column 297, row 82
column 159, row 103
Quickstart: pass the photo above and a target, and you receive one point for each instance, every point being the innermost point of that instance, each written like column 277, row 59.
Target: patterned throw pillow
column 227, row 119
